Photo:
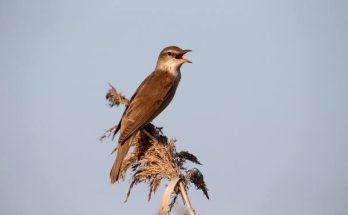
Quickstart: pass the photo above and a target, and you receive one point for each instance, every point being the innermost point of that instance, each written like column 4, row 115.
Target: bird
column 151, row 97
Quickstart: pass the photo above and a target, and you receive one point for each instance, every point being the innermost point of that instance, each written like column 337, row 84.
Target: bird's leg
column 150, row 136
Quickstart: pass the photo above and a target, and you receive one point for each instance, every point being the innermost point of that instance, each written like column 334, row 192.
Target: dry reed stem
column 164, row 206
column 186, row 199
column 154, row 158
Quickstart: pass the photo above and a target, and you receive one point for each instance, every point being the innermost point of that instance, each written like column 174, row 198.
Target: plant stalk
column 185, row 198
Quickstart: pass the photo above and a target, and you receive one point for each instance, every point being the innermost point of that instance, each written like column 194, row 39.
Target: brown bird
column 150, row 99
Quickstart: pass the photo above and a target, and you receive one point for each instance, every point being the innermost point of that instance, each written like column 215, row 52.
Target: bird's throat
column 170, row 67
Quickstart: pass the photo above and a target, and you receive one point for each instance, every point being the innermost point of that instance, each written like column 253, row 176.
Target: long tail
column 122, row 150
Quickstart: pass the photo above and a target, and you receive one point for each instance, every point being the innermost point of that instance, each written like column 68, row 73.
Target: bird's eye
column 169, row 53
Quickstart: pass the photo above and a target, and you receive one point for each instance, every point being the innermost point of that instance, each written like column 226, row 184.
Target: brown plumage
column 150, row 99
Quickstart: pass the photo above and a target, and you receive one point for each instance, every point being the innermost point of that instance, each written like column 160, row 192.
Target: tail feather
column 122, row 150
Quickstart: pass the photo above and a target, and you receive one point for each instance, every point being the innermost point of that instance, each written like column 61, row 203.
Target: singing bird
column 150, row 99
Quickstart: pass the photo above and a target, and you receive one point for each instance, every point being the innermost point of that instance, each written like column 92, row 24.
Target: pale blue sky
column 264, row 105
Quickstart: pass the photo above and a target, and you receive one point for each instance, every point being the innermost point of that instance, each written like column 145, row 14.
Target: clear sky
column 264, row 105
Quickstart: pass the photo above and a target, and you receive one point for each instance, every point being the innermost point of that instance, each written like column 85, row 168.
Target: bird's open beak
column 181, row 56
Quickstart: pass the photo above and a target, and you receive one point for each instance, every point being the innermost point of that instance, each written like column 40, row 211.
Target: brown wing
column 152, row 96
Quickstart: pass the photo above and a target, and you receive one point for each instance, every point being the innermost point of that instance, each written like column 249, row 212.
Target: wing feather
column 152, row 96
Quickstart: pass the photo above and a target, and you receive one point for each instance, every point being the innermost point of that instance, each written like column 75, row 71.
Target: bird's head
column 172, row 58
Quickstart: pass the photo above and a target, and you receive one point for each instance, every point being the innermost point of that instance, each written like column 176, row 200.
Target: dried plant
column 154, row 158
column 115, row 98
